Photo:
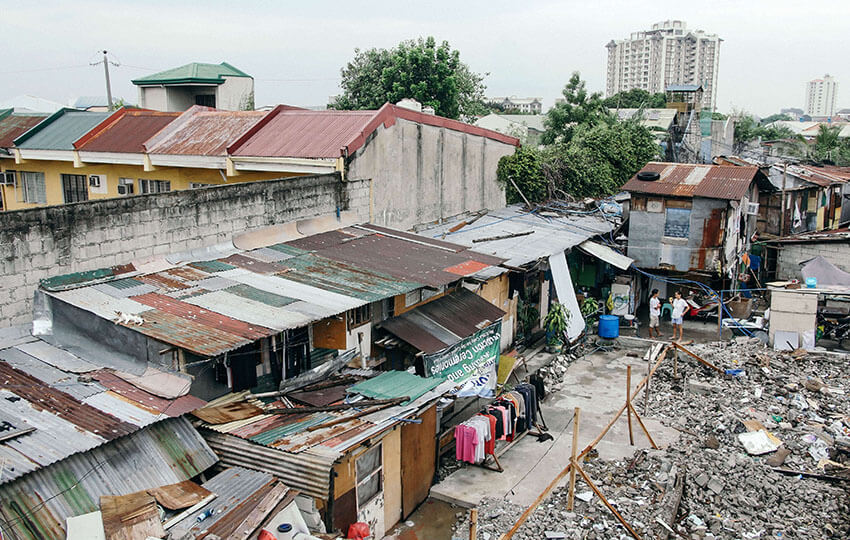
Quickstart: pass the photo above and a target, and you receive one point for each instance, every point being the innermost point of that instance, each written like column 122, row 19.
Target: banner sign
column 471, row 362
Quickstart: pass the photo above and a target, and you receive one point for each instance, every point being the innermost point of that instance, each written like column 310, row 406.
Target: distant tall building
column 669, row 54
column 820, row 96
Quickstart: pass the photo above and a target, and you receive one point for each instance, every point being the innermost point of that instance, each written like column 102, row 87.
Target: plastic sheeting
column 566, row 294
column 827, row 274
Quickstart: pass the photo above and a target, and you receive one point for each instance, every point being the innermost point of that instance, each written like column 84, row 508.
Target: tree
column 636, row 98
column 579, row 108
column 775, row 118
column 827, row 143
column 748, row 130
column 525, row 168
column 419, row 69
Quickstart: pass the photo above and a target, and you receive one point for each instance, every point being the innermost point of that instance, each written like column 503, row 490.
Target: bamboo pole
column 700, row 360
column 473, row 524
column 605, row 501
column 571, row 499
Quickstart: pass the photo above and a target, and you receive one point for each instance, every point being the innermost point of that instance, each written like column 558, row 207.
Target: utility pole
column 782, row 200
column 105, row 63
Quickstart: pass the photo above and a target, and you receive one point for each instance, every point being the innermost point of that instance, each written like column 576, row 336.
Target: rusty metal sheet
column 228, row 412
column 688, row 180
column 43, row 397
column 186, row 273
column 203, row 132
column 203, row 318
column 414, row 334
column 127, row 133
column 170, row 407
column 17, row 124
column 254, row 265
column 321, row 397
column 321, row 240
column 193, row 337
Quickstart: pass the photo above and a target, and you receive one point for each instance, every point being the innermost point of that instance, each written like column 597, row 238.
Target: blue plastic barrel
column 811, row 283
column 609, row 326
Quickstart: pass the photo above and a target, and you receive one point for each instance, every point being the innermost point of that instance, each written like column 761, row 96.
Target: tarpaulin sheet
column 566, row 294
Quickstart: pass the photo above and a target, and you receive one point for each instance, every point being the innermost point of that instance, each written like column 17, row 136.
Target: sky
column 294, row 50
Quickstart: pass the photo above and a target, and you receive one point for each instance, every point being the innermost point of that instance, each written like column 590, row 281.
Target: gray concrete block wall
column 426, row 173
column 39, row 243
column 791, row 255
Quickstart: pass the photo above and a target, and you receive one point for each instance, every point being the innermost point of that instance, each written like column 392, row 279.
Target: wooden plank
column 180, row 495
column 339, row 407
column 130, row 517
column 605, row 502
column 192, row 509
column 704, row 362
column 253, row 520
column 229, row 412
column 572, row 492
column 418, row 445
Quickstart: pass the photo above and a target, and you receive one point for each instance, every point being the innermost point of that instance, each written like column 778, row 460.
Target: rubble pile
column 555, row 372
column 763, row 452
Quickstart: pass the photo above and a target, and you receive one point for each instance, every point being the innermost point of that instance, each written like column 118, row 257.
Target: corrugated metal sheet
column 551, row 234
column 686, row 180
column 232, row 486
column 100, row 303
column 306, row 134
column 188, row 335
column 308, row 472
column 164, row 453
column 168, row 407
column 61, row 404
column 14, row 125
column 79, row 279
column 248, row 310
column 606, row 254
column 56, row 357
column 395, row 384
column 203, row 132
column 122, row 408
column 443, row 322
column 128, row 133
column 61, row 133
column 49, row 375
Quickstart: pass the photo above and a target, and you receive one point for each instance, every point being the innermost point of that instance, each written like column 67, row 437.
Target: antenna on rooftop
column 106, row 63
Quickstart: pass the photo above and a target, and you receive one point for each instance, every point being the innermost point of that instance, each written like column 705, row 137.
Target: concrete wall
column 153, row 97
column 234, row 94
column 54, row 240
column 445, row 172
column 791, row 255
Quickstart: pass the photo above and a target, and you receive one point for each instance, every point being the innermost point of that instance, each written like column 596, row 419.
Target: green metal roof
column 192, row 73
column 59, row 130
column 395, row 384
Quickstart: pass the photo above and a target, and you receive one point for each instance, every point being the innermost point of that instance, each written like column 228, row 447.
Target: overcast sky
column 295, row 50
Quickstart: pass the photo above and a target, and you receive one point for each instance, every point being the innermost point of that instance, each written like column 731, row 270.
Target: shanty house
column 691, row 218
column 220, row 86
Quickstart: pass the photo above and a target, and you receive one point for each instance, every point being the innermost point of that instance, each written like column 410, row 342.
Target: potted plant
column 556, row 326
column 528, row 317
column 589, row 309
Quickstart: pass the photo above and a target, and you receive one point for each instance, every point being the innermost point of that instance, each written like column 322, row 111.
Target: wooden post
column 629, row 402
column 675, row 363
column 646, row 388
column 473, row 524
column 608, row 504
column 571, row 498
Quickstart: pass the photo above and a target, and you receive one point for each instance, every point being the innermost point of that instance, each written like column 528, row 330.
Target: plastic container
column 811, row 283
column 284, row 531
column 609, row 326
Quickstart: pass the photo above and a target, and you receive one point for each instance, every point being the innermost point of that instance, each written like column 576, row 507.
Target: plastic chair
column 667, row 307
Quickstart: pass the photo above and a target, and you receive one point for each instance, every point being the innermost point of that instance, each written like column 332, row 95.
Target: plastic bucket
column 811, row 283
column 609, row 326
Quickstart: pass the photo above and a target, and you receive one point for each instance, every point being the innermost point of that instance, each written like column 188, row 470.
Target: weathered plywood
column 392, row 477
column 418, row 454
column 130, row 517
column 180, row 495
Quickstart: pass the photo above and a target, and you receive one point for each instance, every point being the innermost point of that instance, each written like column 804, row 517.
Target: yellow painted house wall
column 180, row 178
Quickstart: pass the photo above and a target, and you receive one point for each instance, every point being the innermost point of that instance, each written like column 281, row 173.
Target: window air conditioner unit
column 8, row 178
column 94, row 180
column 125, row 186
column 753, row 209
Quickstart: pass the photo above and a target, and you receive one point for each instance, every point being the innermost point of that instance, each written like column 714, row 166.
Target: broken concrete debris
column 791, row 410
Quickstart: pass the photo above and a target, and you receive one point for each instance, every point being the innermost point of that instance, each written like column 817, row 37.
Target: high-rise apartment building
column 667, row 54
column 820, row 96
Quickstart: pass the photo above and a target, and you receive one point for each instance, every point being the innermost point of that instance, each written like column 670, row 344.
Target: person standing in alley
column 679, row 309
column 654, row 313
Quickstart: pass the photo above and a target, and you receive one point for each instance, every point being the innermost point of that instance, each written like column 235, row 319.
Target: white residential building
column 667, row 54
column 820, row 96
column 528, row 105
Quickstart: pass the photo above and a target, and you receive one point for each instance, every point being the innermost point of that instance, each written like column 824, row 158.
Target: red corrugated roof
column 125, row 131
column 14, row 125
column 684, row 180
column 825, row 175
column 332, row 134
column 202, row 131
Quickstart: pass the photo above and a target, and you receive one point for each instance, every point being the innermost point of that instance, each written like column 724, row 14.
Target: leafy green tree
column 578, row 108
column 635, row 99
column 748, row 130
column 718, row 116
column 827, row 143
column 525, row 168
column 774, row 118
column 419, row 69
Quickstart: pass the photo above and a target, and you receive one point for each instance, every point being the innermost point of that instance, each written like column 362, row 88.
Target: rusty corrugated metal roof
column 443, row 322
column 125, row 133
column 202, row 132
column 15, row 124
column 686, row 180
column 61, row 404
column 169, row 407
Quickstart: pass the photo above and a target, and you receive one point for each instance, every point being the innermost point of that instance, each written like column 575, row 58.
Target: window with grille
column 154, row 186
column 369, row 475
column 33, row 189
column 75, row 188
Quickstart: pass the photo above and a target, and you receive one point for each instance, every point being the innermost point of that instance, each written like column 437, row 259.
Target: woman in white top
column 654, row 314
column 679, row 309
